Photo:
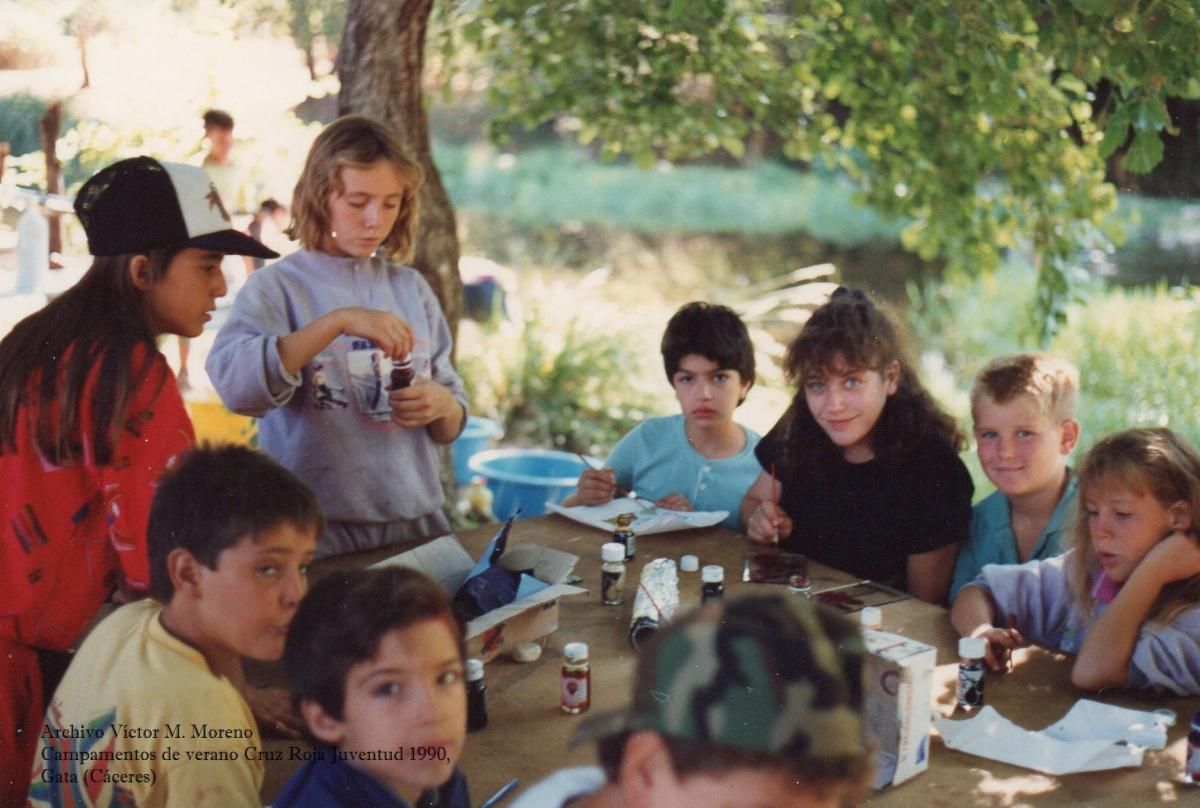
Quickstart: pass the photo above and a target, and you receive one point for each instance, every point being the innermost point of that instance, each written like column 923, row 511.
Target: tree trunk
column 83, row 62
column 51, row 125
column 379, row 64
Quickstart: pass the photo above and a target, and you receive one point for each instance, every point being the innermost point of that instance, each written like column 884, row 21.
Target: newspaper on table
column 1091, row 737
column 648, row 518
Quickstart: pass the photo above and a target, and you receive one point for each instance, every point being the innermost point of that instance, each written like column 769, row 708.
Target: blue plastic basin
column 477, row 434
column 527, row 478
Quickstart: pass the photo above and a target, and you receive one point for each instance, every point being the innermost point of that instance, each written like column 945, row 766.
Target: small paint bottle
column 800, row 586
column 477, row 717
column 712, row 577
column 1191, row 764
column 576, row 695
column 612, row 574
column 971, row 667
column 623, row 535
column 402, row 373
column 871, row 617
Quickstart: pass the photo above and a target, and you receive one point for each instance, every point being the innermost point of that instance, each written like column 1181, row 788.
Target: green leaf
column 1145, row 152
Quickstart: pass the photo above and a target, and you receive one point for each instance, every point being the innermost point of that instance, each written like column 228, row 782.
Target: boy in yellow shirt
column 150, row 712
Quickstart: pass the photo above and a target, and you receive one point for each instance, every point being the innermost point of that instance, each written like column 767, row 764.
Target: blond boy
column 1025, row 429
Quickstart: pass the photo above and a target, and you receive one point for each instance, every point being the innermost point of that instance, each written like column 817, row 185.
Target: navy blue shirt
column 327, row 782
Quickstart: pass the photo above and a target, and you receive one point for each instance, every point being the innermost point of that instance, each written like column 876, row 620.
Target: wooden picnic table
column 527, row 734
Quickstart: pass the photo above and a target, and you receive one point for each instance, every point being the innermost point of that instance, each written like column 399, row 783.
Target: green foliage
column 1135, row 348
column 20, row 116
column 976, row 119
column 564, row 380
column 561, row 185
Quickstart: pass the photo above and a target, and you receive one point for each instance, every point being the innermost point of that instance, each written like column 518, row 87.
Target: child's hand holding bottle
column 1001, row 642
column 393, row 335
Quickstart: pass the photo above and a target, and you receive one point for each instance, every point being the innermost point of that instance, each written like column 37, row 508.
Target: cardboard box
column 446, row 561
column 898, row 699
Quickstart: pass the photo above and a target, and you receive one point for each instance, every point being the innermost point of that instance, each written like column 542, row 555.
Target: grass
column 561, row 185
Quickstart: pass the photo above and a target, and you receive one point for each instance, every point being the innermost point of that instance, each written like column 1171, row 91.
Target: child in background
column 701, row 459
column 267, row 226
column 696, row 734
column 375, row 661
column 90, row 416
column 862, row 472
column 1126, row 596
column 324, row 310
column 231, row 536
column 1025, row 429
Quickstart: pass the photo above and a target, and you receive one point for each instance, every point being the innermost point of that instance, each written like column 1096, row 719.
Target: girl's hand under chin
column 1175, row 558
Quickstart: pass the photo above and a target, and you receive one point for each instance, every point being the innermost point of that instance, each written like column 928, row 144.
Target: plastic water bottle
column 33, row 249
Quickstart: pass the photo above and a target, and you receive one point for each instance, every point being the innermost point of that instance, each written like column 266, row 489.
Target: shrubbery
column 1135, row 348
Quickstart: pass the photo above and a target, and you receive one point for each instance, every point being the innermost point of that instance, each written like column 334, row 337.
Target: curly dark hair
column 850, row 331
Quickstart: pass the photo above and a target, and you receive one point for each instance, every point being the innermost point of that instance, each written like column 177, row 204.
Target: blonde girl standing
column 311, row 341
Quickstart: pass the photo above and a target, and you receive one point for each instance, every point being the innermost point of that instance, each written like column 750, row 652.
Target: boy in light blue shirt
column 1025, row 429
column 701, row 459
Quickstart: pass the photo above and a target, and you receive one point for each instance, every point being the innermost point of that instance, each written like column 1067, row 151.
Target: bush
column 570, row 377
column 1135, row 348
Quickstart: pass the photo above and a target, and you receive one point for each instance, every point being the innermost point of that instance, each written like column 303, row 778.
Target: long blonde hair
column 1152, row 461
column 358, row 141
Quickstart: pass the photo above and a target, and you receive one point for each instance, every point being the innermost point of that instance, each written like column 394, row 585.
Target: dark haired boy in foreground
column 755, row 702
column 149, row 712
column 375, row 661
column 701, row 459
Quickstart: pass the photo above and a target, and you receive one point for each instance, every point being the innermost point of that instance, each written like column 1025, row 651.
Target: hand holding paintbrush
column 597, row 487
column 768, row 523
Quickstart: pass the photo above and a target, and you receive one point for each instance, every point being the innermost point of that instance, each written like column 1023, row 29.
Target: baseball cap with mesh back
column 142, row 204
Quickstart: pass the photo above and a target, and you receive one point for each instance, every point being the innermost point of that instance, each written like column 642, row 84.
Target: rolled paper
column 656, row 600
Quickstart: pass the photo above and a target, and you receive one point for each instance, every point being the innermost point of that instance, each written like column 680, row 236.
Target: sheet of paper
column 1091, row 737
column 648, row 518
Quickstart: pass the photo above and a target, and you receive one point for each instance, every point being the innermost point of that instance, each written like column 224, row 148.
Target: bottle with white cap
column 477, row 717
column 712, row 577
column 871, row 617
column 971, row 667
column 576, row 695
column 612, row 574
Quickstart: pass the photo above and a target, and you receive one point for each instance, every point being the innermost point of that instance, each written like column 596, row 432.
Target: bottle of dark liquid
column 971, row 668
column 477, row 717
column 402, row 373
column 1191, row 764
column 623, row 535
column 713, row 578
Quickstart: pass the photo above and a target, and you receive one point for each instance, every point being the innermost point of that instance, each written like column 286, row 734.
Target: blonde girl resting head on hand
column 1126, row 597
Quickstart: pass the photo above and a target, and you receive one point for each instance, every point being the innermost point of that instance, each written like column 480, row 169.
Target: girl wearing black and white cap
column 90, row 415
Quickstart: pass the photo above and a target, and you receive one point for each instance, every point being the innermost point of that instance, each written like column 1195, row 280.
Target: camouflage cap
column 766, row 673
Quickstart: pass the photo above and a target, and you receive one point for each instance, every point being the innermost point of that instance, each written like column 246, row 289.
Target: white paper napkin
column 1091, row 737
